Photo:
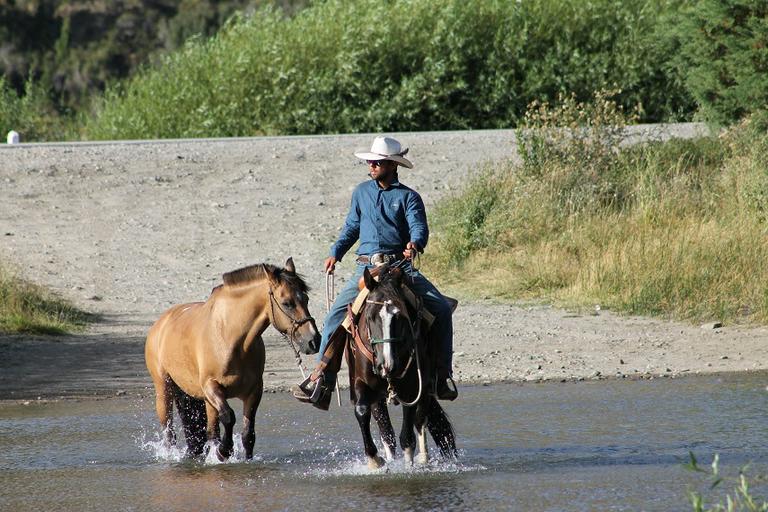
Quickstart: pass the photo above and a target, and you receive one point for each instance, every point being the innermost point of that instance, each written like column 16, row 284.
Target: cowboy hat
column 386, row 148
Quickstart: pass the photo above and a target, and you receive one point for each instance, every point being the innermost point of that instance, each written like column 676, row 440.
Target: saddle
column 357, row 305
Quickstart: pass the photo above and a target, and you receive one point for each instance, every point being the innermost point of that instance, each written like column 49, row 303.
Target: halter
column 375, row 341
column 415, row 332
column 295, row 325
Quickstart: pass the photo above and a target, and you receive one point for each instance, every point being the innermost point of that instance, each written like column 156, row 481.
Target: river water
column 610, row 445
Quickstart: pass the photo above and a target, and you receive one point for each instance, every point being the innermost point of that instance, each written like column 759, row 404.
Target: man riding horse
column 390, row 222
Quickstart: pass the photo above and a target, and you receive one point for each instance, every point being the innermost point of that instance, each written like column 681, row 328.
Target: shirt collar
column 394, row 184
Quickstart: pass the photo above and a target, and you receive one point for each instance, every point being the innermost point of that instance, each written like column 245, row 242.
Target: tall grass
column 343, row 66
column 675, row 228
column 29, row 308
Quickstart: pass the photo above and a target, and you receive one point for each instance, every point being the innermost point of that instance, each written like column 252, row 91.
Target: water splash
column 159, row 449
column 355, row 466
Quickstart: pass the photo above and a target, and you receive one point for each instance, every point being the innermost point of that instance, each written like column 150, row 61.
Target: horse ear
column 368, row 279
column 289, row 266
column 271, row 277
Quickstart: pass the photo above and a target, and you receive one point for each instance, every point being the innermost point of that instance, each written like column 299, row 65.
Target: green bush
column 32, row 114
column 725, row 57
column 364, row 65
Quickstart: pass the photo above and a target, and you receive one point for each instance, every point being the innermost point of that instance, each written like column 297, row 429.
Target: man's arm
column 417, row 221
column 351, row 230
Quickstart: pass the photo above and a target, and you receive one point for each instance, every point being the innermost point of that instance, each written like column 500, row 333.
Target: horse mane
column 258, row 272
column 390, row 280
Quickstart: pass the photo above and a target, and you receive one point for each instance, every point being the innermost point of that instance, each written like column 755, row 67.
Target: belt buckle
column 380, row 259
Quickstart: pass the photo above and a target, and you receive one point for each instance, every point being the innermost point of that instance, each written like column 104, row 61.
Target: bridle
column 296, row 324
column 414, row 354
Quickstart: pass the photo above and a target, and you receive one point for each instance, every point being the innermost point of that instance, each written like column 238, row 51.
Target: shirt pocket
column 396, row 209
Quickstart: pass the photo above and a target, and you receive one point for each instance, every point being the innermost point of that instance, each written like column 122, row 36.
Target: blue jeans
column 434, row 302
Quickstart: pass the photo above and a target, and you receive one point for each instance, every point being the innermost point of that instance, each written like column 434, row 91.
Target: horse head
column 389, row 325
column 289, row 308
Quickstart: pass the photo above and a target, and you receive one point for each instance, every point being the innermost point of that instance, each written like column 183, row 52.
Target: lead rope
column 330, row 296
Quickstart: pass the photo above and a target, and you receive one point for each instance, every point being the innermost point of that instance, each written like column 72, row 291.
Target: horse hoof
column 408, row 455
column 422, row 458
column 223, row 453
column 375, row 462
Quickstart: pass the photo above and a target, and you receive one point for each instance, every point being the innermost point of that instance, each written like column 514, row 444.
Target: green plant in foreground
column 739, row 499
column 29, row 308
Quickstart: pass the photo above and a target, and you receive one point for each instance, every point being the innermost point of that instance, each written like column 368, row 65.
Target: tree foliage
column 365, row 65
column 725, row 57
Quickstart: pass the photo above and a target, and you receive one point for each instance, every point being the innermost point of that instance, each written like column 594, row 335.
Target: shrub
column 368, row 66
column 670, row 228
column 32, row 114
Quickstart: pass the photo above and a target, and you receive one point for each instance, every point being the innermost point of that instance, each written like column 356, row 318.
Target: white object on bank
column 13, row 137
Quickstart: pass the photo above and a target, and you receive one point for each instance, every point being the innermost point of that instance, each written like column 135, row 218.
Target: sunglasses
column 376, row 163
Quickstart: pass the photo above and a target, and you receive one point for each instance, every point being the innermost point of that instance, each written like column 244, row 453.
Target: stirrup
column 452, row 391
column 303, row 393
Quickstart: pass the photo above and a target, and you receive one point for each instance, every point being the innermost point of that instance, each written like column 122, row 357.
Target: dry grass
column 675, row 229
column 29, row 308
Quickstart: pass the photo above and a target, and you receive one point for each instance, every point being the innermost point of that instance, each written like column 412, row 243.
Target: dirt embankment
column 128, row 229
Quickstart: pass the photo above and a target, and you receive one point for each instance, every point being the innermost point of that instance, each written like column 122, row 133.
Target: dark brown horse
column 389, row 359
column 203, row 353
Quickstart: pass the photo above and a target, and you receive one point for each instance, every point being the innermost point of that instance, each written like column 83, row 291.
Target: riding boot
column 444, row 390
column 318, row 391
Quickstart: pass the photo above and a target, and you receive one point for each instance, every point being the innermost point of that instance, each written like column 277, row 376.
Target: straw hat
column 386, row 148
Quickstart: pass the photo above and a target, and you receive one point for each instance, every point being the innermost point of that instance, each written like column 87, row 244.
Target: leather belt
column 379, row 258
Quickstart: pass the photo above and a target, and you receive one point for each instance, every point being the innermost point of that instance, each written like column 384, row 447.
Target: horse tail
column 441, row 429
column 193, row 419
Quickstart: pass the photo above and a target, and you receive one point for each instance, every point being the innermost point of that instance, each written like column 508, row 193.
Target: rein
column 392, row 394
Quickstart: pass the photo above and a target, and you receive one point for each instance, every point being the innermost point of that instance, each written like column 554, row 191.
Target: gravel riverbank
column 127, row 229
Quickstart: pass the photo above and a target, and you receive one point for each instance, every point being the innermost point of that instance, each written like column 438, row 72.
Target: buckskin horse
column 388, row 358
column 203, row 353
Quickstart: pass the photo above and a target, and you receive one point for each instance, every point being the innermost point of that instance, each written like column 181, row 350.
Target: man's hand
column 411, row 248
column 330, row 264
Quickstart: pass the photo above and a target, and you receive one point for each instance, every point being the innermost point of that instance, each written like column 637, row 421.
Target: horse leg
column 164, row 391
column 363, row 415
column 250, row 406
column 216, row 408
column 388, row 439
column 421, row 430
column 407, row 439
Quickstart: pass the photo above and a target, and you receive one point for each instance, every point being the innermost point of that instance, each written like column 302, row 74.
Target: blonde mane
column 258, row 272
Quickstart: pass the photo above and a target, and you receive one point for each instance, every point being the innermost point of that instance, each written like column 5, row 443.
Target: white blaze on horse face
column 387, row 313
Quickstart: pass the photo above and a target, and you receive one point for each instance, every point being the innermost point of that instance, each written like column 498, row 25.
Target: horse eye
column 288, row 304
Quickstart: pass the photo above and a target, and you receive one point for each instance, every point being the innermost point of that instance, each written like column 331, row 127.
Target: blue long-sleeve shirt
column 383, row 220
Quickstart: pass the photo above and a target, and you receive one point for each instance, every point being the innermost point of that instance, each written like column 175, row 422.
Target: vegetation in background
column 739, row 499
column 724, row 49
column 343, row 66
column 32, row 114
column 65, row 52
column 673, row 228
column 363, row 65
column 28, row 308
